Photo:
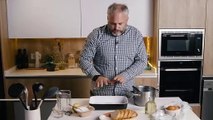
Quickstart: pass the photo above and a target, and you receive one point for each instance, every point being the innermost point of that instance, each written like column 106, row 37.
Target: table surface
column 188, row 115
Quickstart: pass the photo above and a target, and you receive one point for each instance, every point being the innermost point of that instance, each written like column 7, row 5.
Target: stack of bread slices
column 124, row 114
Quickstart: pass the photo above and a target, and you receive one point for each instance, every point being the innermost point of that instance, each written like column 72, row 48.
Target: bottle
column 19, row 59
column 37, row 59
column 150, row 107
column 71, row 61
column 25, row 59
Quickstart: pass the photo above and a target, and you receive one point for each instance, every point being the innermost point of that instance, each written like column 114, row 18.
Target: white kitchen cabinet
column 94, row 14
column 70, row 18
column 43, row 18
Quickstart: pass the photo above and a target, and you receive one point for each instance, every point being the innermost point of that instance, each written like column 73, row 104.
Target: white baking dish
column 108, row 102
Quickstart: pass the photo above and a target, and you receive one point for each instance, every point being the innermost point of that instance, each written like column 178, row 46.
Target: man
column 114, row 54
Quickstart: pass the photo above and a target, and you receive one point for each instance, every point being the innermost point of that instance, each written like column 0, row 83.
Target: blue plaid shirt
column 108, row 55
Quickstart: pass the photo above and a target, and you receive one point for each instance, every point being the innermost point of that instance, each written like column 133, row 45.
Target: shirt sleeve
column 87, row 55
column 140, row 61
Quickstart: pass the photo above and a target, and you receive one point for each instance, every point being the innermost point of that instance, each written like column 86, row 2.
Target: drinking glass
column 63, row 100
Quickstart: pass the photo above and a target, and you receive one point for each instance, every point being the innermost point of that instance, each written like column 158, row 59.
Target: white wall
column 140, row 14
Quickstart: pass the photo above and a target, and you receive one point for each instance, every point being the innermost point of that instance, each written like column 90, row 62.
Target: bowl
column 84, row 111
column 173, row 110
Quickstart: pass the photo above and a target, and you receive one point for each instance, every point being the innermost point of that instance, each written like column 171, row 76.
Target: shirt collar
column 109, row 32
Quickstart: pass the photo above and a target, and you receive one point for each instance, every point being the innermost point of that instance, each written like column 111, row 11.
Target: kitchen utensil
column 26, row 96
column 146, row 93
column 17, row 90
column 49, row 93
column 36, row 88
column 136, row 90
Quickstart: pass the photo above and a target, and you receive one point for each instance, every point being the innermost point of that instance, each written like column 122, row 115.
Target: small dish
column 84, row 111
column 173, row 110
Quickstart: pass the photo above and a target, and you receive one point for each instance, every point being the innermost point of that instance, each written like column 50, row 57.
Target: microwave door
column 175, row 44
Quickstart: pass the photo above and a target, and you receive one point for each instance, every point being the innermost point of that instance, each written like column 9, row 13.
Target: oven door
column 181, row 79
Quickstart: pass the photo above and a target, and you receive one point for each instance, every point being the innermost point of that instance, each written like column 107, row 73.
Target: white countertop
column 74, row 72
column 188, row 115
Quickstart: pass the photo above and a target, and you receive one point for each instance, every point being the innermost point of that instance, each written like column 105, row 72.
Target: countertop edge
column 74, row 72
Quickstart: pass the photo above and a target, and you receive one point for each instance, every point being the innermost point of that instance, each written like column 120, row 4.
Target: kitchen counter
column 188, row 114
column 74, row 72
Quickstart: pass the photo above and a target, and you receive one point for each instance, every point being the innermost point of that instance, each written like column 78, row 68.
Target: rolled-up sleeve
column 87, row 55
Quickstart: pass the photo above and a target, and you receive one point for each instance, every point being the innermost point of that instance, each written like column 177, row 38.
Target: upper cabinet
column 70, row 18
column 94, row 14
column 208, row 55
column 181, row 13
column 43, row 18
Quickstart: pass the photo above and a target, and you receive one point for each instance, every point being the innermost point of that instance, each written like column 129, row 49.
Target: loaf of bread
column 124, row 114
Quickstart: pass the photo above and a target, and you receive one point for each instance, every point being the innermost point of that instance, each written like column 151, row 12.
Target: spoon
column 16, row 90
column 36, row 88
column 49, row 93
column 136, row 89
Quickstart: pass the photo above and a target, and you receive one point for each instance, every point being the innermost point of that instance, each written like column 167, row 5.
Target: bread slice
column 126, row 114
column 115, row 115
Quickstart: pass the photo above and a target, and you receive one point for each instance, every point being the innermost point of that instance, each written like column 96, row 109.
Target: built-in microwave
column 181, row 43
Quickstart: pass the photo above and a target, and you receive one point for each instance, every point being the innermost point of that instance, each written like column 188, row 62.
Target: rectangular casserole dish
column 108, row 102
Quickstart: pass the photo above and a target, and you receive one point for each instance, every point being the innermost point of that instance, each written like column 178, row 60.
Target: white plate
column 104, row 117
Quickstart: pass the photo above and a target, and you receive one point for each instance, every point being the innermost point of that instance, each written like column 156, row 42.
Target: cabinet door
column 196, row 109
column 43, row 18
column 208, row 55
column 147, row 82
column 182, row 13
column 94, row 14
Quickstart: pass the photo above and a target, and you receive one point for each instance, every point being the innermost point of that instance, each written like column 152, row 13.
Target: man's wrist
column 95, row 77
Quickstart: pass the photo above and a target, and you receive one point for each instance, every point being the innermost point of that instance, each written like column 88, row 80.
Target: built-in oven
column 181, row 79
column 181, row 43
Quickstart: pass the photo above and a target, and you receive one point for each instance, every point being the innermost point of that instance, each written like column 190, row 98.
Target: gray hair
column 117, row 7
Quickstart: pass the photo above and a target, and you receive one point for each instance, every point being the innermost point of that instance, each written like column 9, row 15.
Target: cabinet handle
column 177, row 90
column 185, row 69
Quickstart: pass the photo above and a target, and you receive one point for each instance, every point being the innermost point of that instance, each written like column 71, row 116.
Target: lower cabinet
column 196, row 109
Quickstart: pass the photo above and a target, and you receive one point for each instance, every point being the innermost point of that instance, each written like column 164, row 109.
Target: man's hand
column 119, row 78
column 101, row 81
